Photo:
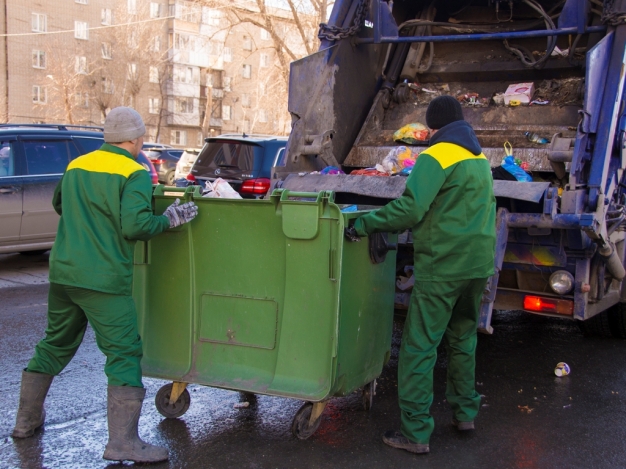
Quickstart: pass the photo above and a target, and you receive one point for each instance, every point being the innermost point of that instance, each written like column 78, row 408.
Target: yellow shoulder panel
column 448, row 154
column 105, row 162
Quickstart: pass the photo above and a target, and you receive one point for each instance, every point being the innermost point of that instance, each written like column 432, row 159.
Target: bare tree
column 66, row 81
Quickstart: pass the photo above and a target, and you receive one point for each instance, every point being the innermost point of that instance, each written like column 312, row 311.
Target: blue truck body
column 372, row 72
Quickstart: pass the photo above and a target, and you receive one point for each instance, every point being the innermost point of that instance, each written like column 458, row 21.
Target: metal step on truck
column 560, row 238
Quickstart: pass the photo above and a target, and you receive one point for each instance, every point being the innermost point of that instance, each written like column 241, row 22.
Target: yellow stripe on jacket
column 105, row 162
column 448, row 154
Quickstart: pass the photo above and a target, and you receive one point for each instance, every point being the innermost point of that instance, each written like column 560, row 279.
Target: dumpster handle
column 186, row 193
column 318, row 196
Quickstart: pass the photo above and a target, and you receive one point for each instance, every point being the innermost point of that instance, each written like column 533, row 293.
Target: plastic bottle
column 535, row 138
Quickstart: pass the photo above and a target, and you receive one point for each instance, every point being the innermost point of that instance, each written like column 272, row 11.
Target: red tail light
column 548, row 305
column 157, row 161
column 258, row 186
column 190, row 177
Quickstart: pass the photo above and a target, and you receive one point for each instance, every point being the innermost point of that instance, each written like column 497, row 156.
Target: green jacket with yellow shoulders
column 104, row 200
column 449, row 204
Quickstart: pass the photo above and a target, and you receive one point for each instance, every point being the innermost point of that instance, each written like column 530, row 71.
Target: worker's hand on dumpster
column 179, row 214
column 351, row 234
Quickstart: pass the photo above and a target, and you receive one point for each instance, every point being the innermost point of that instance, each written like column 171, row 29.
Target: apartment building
column 189, row 69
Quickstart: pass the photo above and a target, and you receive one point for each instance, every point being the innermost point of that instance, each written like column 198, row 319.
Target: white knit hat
column 123, row 124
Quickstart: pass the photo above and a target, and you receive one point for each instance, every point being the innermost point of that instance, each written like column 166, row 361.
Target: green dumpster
column 264, row 296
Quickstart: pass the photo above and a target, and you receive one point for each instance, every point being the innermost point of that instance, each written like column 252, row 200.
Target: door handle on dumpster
column 379, row 247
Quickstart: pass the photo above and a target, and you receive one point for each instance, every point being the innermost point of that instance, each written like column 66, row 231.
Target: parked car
column 186, row 161
column 147, row 145
column 32, row 161
column 164, row 161
column 244, row 161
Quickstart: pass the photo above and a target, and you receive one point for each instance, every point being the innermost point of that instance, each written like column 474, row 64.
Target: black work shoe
column 396, row 439
column 463, row 426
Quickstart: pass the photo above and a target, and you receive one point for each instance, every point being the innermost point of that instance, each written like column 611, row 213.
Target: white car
column 186, row 161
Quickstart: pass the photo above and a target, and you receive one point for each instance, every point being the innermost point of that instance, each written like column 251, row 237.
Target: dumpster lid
column 393, row 187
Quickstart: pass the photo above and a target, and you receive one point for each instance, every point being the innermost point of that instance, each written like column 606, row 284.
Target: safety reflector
column 542, row 304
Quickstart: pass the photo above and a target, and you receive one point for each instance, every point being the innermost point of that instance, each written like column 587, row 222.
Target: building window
column 82, row 99
column 40, row 95
column 261, row 88
column 187, row 75
column 81, row 30
column 107, row 52
column 154, row 105
column 184, row 105
column 228, row 54
column 265, row 60
column 265, row 34
column 132, row 71
column 211, row 16
column 246, row 71
column 179, row 137
column 247, row 43
column 80, row 65
column 153, row 74
column 200, row 141
column 106, row 16
column 226, row 112
column 262, row 115
column 132, row 7
column 107, row 85
column 82, row 2
column 245, row 100
column 155, row 10
column 39, row 59
column 39, row 22
column 156, row 44
column 188, row 11
column 227, row 82
column 246, row 126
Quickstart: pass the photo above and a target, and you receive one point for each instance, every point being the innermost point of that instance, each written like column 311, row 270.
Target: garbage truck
column 560, row 237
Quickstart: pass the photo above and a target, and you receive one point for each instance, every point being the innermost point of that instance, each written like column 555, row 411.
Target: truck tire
column 598, row 326
column 610, row 323
column 617, row 320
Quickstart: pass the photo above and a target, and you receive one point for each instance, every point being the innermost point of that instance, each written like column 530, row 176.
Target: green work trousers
column 447, row 310
column 114, row 321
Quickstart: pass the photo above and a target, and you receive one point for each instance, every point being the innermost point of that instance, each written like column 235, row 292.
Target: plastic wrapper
column 411, row 133
column 368, row 172
column 396, row 160
column 220, row 189
column 512, row 167
column 331, row 170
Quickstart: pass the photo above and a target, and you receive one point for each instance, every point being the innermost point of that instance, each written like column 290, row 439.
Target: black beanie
column 443, row 110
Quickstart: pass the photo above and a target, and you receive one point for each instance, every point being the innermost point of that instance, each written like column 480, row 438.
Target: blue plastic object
column 519, row 173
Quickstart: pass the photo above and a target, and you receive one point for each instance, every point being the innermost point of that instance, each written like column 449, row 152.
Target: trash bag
column 411, row 133
column 220, row 189
column 509, row 165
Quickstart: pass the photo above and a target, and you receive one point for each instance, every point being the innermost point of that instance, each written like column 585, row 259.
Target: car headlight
column 561, row 282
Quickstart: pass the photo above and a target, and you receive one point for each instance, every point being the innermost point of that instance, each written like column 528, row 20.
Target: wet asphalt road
column 529, row 418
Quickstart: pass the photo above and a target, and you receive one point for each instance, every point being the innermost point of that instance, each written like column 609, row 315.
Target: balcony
column 215, row 122
column 218, row 93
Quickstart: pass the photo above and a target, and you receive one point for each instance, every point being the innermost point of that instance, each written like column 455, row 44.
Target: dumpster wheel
column 301, row 426
column 369, row 391
column 171, row 411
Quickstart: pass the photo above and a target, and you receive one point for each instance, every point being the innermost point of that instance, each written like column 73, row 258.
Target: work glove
column 351, row 234
column 179, row 214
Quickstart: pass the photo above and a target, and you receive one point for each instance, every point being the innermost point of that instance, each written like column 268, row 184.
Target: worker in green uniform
column 450, row 206
column 104, row 200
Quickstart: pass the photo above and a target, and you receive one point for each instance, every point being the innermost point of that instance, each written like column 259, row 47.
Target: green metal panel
column 264, row 296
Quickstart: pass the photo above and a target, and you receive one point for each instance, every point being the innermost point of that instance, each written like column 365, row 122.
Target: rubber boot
column 123, row 409
column 31, row 414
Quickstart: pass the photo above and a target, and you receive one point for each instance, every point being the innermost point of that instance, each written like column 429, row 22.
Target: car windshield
column 226, row 154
